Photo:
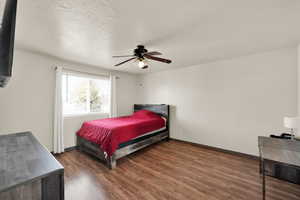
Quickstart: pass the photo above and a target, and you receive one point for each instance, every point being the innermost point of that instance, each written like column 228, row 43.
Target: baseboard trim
column 198, row 145
column 219, row 149
column 70, row 148
column 66, row 150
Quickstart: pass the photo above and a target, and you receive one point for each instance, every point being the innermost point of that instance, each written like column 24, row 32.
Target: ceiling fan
column 141, row 55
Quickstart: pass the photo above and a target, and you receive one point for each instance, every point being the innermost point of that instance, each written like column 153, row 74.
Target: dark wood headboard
column 161, row 109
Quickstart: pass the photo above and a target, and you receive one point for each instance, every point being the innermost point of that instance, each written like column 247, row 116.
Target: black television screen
column 8, row 9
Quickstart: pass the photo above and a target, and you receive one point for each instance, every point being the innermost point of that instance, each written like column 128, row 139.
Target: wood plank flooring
column 170, row 170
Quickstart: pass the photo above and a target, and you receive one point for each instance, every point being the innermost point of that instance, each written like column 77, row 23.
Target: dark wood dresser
column 28, row 171
column 279, row 158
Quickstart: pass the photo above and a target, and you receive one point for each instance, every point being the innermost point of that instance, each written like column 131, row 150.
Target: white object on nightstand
column 292, row 123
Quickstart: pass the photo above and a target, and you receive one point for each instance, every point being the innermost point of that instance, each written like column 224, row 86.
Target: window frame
column 88, row 76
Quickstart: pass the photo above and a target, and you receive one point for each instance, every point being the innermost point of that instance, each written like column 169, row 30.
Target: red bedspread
column 111, row 132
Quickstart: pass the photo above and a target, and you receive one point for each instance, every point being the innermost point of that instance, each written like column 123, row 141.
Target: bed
column 138, row 133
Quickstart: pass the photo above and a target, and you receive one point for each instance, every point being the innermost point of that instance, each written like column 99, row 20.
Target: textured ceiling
column 188, row 32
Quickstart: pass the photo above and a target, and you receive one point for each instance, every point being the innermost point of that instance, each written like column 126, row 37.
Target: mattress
column 142, row 137
column 151, row 132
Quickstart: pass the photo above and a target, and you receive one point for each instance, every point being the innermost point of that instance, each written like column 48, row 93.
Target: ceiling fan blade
column 125, row 61
column 123, row 56
column 153, row 53
column 158, row 59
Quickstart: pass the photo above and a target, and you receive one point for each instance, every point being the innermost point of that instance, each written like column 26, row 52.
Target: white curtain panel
column 58, row 139
column 113, row 96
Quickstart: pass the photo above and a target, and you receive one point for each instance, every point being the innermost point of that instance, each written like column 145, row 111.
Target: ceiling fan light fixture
column 141, row 64
column 142, row 55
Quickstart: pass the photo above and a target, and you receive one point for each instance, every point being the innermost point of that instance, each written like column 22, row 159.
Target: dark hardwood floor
column 170, row 170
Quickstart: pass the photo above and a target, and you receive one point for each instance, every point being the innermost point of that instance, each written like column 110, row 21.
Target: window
column 85, row 94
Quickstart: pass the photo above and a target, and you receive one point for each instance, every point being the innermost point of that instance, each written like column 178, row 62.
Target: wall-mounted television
column 8, row 10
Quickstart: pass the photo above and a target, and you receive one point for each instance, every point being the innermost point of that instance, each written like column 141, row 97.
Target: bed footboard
column 140, row 145
column 111, row 161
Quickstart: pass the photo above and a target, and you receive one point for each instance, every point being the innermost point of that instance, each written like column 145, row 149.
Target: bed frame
column 128, row 148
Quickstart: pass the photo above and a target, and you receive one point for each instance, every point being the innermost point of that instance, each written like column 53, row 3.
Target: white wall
column 298, row 82
column 227, row 104
column 26, row 104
